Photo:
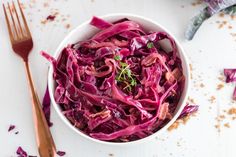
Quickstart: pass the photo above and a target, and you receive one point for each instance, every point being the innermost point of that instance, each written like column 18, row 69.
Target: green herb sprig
column 117, row 58
column 150, row 45
column 125, row 76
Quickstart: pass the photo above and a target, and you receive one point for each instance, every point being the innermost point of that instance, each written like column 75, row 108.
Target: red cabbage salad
column 119, row 85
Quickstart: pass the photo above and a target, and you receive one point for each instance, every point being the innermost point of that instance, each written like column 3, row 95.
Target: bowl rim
column 184, row 60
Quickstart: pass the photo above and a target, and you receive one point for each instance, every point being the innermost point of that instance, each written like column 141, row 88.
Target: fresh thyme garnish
column 150, row 45
column 117, row 58
column 125, row 76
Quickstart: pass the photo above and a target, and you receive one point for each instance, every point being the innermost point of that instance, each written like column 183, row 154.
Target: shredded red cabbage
column 61, row 153
column 230, row 75
column 11, row 127
column 188, row 110
column 22, row 153
column 47, row 107
column 121, row 84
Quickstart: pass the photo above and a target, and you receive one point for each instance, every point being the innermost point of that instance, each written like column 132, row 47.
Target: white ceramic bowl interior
column 84, row 31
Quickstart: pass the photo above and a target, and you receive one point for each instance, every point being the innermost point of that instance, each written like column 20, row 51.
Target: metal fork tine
column 13, row 21
column 21, row 30
column 24, row 20
column 8, row 24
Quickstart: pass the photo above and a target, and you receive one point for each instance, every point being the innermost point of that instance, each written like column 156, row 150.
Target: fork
column 22, row 43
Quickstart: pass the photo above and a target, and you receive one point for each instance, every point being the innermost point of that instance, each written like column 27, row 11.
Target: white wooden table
column 211, row 50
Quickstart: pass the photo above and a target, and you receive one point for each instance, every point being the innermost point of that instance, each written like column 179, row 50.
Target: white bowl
column 84, row 31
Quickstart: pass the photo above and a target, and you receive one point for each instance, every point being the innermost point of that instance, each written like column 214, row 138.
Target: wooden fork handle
column 46, row 146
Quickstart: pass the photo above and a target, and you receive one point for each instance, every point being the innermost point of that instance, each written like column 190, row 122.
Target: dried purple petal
column 214, row 6
column 195, row 23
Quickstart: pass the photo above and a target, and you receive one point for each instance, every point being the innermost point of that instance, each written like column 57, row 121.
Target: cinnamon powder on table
column 212, row 99
column 198, row 2
column 202, row 85
column 178, row 122
column 232, row 111
column 220, row 86
column 67, row 26
column 224, row 119
column 221, row 14
column 191, row 100
column 227, row 125
column 191, row 71
column 221, row 78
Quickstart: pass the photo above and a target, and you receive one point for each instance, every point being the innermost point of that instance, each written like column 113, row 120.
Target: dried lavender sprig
column 214, row 6
column 230, row 10
column 195, row 23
